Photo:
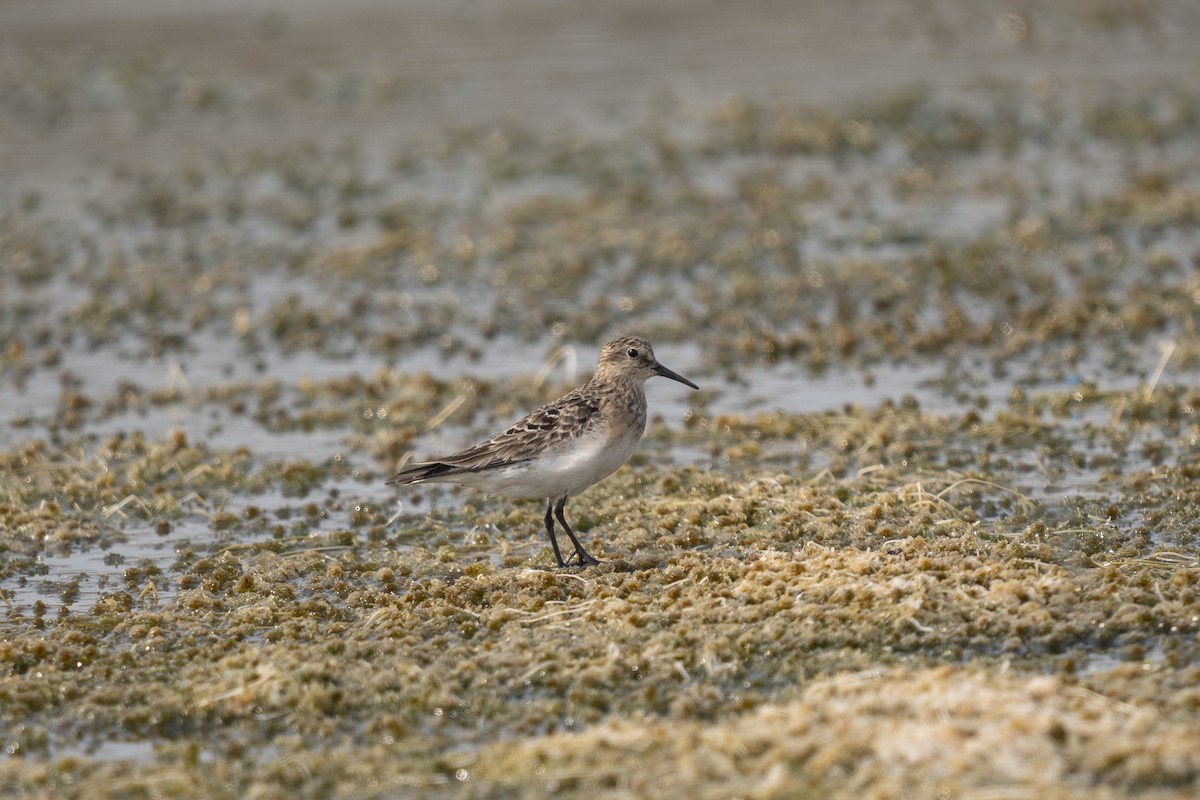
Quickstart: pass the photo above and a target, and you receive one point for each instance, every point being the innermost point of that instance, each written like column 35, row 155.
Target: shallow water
column 933, row 268
column 760, row 389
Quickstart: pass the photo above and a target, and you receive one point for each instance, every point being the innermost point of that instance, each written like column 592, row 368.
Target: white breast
column 568, row 471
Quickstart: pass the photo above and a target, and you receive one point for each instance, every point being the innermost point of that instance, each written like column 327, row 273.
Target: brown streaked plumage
column 565, row 446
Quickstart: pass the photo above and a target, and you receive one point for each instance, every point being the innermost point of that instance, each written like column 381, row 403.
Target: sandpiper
column 565, row 446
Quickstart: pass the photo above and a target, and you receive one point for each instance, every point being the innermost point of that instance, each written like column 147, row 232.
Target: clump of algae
column 880, row 733
column 748, row 634
column 875, row 601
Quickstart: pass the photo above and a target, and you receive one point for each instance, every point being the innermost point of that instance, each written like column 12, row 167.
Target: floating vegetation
column 928, row 529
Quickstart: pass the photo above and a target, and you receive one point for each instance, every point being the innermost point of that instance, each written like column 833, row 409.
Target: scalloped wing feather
column 564, row 420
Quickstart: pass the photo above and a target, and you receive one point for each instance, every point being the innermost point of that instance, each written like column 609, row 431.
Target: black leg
column 584, row 558
column 550, row 530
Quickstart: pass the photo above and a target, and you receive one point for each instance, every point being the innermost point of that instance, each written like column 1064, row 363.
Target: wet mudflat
column 929, row 527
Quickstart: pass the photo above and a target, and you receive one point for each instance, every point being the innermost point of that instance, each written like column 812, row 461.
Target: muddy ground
column 928, row 529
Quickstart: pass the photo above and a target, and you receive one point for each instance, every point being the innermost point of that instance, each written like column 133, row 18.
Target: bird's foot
column 582, row 559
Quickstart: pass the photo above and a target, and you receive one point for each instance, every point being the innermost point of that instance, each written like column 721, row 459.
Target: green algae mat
column 928, row 529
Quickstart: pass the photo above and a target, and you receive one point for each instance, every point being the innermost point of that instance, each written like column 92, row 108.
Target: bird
column 563, row 447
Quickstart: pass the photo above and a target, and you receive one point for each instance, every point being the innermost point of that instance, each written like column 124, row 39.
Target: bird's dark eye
column 632, row 352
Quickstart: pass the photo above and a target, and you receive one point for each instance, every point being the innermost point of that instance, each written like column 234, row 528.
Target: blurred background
column 90, row 84
column 193, row 188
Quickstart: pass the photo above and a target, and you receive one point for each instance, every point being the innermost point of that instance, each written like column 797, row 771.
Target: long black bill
column 659, row 369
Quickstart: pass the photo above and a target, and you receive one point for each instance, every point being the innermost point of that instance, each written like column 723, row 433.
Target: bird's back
column 561, row 448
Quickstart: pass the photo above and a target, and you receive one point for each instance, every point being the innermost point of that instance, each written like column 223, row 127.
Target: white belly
column 567, row 472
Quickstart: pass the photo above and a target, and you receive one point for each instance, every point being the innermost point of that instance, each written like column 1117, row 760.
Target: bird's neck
column 628, row 400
